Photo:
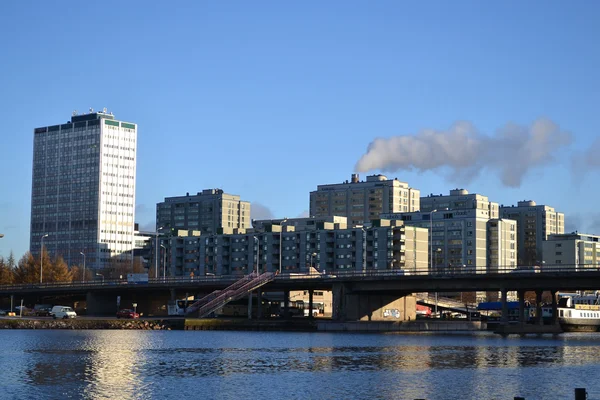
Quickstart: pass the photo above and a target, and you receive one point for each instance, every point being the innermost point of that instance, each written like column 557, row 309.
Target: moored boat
column 579, row 313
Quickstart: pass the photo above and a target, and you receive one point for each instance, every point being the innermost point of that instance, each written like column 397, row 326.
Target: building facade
column 83, row 190
column 571, row 250
column 459, row 199
column 387, row 245
column 208, row 211
column 363, row 201
column 535, row 223
column 465, row 240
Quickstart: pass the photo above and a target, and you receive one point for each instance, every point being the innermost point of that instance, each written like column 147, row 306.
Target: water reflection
column 140, row 365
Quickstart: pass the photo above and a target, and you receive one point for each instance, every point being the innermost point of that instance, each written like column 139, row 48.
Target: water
column 39, row 364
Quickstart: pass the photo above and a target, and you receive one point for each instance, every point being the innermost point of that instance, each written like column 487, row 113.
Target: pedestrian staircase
column 204, row 300
column 242, row 288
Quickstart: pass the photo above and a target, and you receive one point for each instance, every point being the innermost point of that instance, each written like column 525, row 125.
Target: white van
column 63, row 312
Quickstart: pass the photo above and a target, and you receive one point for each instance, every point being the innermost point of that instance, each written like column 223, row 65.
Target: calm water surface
column 266, row 365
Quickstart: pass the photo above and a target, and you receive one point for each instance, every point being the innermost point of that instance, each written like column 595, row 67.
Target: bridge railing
column 438, row 272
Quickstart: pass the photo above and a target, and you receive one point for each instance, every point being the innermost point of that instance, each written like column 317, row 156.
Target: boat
column 579, row 313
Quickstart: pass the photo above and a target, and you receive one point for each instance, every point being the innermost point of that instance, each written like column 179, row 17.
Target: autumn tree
column 27, row 270
column 6, row 273
column 58, row 271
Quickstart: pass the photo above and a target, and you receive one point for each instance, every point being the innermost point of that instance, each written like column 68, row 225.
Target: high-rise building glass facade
column 83, row 190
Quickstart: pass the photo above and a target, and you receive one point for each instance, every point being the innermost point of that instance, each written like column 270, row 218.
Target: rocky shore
column 151, row 325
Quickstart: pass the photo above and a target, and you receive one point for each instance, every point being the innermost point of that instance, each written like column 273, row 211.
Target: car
column 127, row 313
column 42, row 310
column 62, row 312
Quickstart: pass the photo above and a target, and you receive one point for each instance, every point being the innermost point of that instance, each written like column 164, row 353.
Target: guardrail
column 439, row 273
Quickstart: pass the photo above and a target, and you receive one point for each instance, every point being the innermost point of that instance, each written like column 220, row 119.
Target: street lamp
column 164, row 262
column 42, row 256
column 83, row 279
column 280, row 244
column 431, row 240
column 101, row 276
column 438, row 250
column 257, row 253
column 156, row 253
column 364, row 248
column 311, row 262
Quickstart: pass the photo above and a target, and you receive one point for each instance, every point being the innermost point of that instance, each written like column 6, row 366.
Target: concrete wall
column 348, row 306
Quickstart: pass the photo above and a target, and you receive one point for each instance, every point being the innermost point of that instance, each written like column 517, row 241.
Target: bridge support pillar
column 554, row 310
column 250, row 305
column 521, row 295
column 259, row 304
column 286, row 304
column 310, row 303
column 339, row 302
column 538, row 308
column 504, row 317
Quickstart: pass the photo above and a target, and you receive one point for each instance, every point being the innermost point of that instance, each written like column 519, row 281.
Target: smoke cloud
column 260, row 211
column 511, row 152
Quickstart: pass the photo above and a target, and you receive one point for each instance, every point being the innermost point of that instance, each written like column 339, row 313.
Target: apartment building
column 384, row 246
column 459, row 199
column 571, row 250
column 534, row 223
column 363, row 201
column 465, row 240
column 83, row 190
column 208, row 211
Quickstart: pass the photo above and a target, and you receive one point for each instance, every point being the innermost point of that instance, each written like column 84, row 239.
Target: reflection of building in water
column 106, row 366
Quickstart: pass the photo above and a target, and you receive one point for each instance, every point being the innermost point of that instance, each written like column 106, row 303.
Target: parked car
column 62, row 312
column 127, row 313
column 42, row 310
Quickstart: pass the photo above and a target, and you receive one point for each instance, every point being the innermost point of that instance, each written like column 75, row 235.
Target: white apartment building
column 209, row 211
column 384, row 246
column 571, row 250
column 535, row 223
column 83, row 189
column 465, row 240
column 363, row 201
column 459, row 199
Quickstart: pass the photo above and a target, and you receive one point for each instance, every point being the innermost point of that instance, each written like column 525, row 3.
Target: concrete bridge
column 356, row 294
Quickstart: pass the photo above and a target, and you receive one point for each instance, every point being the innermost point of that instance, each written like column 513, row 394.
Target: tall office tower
column 459, row 199
column 534, row 223
column 83, row 190
column 362, row 202
column 209, row 212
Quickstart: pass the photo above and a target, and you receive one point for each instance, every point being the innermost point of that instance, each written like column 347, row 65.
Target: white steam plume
column 512, row 151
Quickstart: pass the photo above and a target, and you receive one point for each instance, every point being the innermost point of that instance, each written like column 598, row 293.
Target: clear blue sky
column 269, row 99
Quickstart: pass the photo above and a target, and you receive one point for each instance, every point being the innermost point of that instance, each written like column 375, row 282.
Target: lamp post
column 101, row 276
column 42, row 256
column 164, row 262
column 83, row 278
column 257, row 253
column 311, row 262
column 280, row 242
column 156, row 253
column 364, row 248
column 438, row 250
column 431, row 240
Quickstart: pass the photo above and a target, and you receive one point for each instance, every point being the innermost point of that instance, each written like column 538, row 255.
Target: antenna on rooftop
column 74, row 112
column 104, row 110
column 91, row 110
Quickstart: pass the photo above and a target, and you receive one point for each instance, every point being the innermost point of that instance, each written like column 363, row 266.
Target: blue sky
column 269, row 99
